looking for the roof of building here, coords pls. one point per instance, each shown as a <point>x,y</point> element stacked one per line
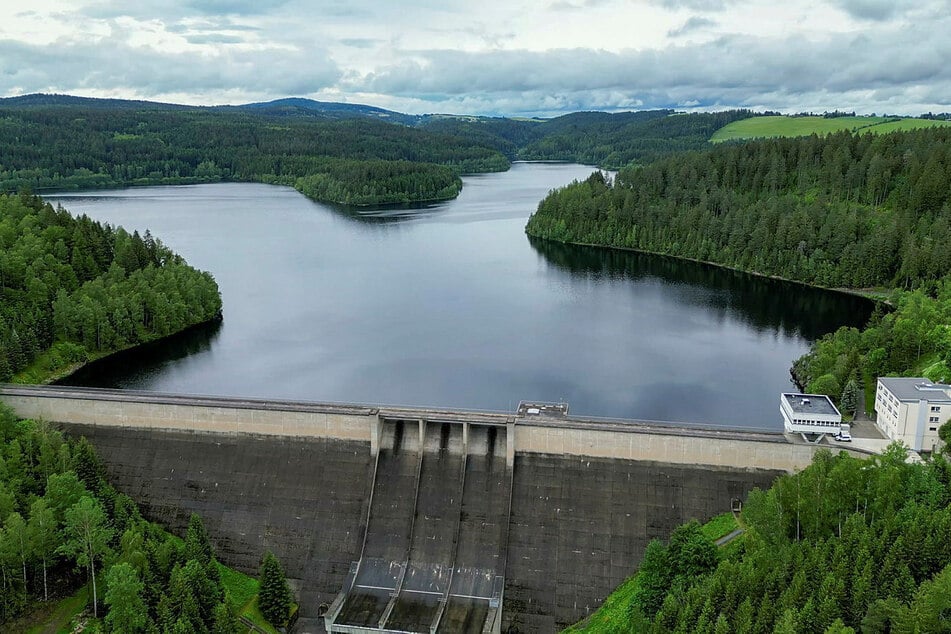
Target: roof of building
<point>916,389</point>
<point>810,403</point>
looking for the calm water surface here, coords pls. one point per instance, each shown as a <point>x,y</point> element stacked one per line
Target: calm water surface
<point>454,306</point>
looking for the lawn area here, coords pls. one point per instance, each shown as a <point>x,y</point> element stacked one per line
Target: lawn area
<point>240,587</point>
<point>242,591</point>
<point>907,124</point>
<point>56,616</point>
<point>758,127</point>
<point>611,618</point>
<point>781,126</point>
<point>719,526</point>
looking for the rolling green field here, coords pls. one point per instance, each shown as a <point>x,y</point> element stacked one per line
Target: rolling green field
<point>776,126</point>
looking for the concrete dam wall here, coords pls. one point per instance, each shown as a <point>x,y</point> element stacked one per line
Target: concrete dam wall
<point>417,519</point>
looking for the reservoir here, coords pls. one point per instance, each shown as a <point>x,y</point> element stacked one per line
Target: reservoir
<point>452,305</point>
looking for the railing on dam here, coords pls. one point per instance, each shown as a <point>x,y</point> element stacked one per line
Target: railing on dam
<point>568,435</point>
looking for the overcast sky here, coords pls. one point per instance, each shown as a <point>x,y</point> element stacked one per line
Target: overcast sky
<point>507,57</point>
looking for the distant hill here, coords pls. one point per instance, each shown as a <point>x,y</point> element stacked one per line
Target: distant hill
<point>786,126</point>
<point>298,106</point>
<point>617,140</point>
<point>48,100</point>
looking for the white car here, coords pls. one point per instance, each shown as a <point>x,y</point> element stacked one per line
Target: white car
<point>843,437</point>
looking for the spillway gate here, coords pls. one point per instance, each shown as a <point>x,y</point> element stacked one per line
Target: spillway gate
<point>435,534</point>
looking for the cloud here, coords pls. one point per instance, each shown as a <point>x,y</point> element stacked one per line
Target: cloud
<point>446,55</point>
<point>694,5</point>
<point>575,5</point>
<point>360,42</point>
<point>213,38</point>
<point>114,65</point>
<point>209,24</point>
<point>695,23</point>
<point>731,70</point>
<point>235,7</point>
<point>876,10</point>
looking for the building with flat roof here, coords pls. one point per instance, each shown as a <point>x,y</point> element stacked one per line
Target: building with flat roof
<point>809,414</point>
<point>911,409</point>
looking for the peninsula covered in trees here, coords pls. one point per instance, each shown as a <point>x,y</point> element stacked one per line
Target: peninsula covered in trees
<point>73,289</point>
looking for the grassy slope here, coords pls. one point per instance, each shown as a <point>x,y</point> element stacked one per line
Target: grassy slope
<point>611,617</point>
<point>758,127</point>
<point>56,616</point>
<point>907,124</point>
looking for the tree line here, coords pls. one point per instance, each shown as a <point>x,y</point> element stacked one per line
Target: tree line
<point>73,288</point>
<point>844,210</point>
<point>846,545</point>
<point>52,143</point>
<point>608,140</point>
<point>360,183</point>
<point>59,516</point>
<point>616,141</point>
<point>80,147</point>
<point>912,339</point>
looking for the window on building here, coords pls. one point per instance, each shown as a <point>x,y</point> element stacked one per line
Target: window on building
<point>932,429</point>
<point>932,419</point>
<point>935,408</point>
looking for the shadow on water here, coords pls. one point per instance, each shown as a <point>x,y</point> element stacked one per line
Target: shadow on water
<point>760,302</point>
<point>385,214</point>
<point>132,366</point>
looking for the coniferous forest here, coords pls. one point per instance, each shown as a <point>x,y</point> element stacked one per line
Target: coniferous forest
<point>846,545</point>
<point>845,210</point>
<point>73,289</point>
<point>842,210</point>
<point>83,147</point>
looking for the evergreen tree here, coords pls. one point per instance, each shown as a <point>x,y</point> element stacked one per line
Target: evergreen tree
<point>850,396</point>
<point>274,596</point>
<point>197,543</point>
<point>225,620</point>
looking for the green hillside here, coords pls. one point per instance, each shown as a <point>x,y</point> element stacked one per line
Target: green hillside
<point>782,126</point>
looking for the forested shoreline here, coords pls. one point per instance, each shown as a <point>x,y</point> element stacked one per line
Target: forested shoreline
<point>45,148</point>
<point>74,289</point>
<point>59,143</point>
<point>844,210</point>
<point>841,211</point>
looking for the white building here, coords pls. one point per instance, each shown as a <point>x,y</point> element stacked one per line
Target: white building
<point>809,414</point>
<point>911,410</point>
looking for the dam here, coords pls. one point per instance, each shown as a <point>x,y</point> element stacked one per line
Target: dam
<point>417,520</point>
